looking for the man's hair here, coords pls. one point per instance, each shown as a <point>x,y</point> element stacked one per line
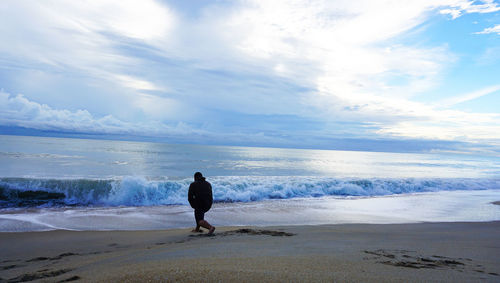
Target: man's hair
<point>198,176</point>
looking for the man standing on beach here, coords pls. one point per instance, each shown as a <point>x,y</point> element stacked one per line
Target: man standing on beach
<point>200,198</point>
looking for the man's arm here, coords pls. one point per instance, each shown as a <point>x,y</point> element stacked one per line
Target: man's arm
<point>210,197</point>
<point>210,192</point>
<point>191,196</point>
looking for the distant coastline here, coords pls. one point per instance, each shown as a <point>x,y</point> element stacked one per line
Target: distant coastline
<point>347,144</point>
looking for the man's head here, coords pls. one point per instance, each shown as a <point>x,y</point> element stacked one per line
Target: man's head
<point>198,176</point>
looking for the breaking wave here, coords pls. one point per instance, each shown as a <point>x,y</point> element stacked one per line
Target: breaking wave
<point>139,191</point>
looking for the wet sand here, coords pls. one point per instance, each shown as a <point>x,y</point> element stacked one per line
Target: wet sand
<point>451,252</point>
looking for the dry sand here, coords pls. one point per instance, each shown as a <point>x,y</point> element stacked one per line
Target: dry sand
<point>450,252</point>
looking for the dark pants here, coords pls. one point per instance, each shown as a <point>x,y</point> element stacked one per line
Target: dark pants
<point>199,215</point>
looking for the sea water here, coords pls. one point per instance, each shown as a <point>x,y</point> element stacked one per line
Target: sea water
<point>82,184</point>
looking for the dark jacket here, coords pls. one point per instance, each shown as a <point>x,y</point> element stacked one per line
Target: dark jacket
<point>200,195</point>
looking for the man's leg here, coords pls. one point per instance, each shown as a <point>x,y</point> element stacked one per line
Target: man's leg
<point>198,217</point>
<point>206,225</point>
<point>197,229</point>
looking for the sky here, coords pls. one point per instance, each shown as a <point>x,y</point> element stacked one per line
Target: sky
<point>375,74</point>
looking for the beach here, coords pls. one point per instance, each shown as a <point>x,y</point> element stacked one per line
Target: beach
<point>451,252</point>
<point>111,211</point>
<point>323,141</point>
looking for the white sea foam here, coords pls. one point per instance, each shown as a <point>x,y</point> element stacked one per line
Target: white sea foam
<point>443,206</point>
<point>139,191</point>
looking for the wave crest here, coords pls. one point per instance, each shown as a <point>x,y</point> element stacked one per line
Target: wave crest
<point>139,191</point>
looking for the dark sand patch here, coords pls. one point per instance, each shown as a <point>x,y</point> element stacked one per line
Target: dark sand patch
<point>246,231</point>
<point>38,275</point>
<point>260,232</point>
<point>73,278</point>
<point>9,266</point>
<point>9,260</point>
<point>118,246</point>
<point>412,259</point>
<point>243,231</point>
<point>42,258</point>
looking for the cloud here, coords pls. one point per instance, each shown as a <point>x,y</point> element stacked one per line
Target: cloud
<point>243,69</point>
<point>17,110</point>
<point>147,20</point>
<point>337,49</point>
<point>80,37</point>
<point>459,129</point>
<point>135,83</point>
<point>20,111</point>
<point>354,61</point>
<point>495,29</point>
<point>469,96</point>
<point>458,8</point>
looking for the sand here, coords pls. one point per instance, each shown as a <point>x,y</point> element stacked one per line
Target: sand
<point>450,252</point>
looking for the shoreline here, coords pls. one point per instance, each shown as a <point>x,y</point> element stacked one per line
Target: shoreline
<point>403,208</point>
<point>446,251</point>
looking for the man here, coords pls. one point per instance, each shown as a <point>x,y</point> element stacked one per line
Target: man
<point>200,198</point>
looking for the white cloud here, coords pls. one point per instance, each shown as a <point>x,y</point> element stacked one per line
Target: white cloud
<point>469,96</point>
<point>17,110</point>
<point>460,7</point>
<point>495,29</point>
<point>471,130</point>
<point>135,83</point>
<point>353,63</point>
<point>345,58</point>
<point>145,20</point>
<point>160,108</point>
<point>338,49</point>
<point>20,111</point>
<point>81,36</point>
<point>454,13</point>
<point>341,43</point>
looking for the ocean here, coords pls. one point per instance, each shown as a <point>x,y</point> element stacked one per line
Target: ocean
<point>81,184</point>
